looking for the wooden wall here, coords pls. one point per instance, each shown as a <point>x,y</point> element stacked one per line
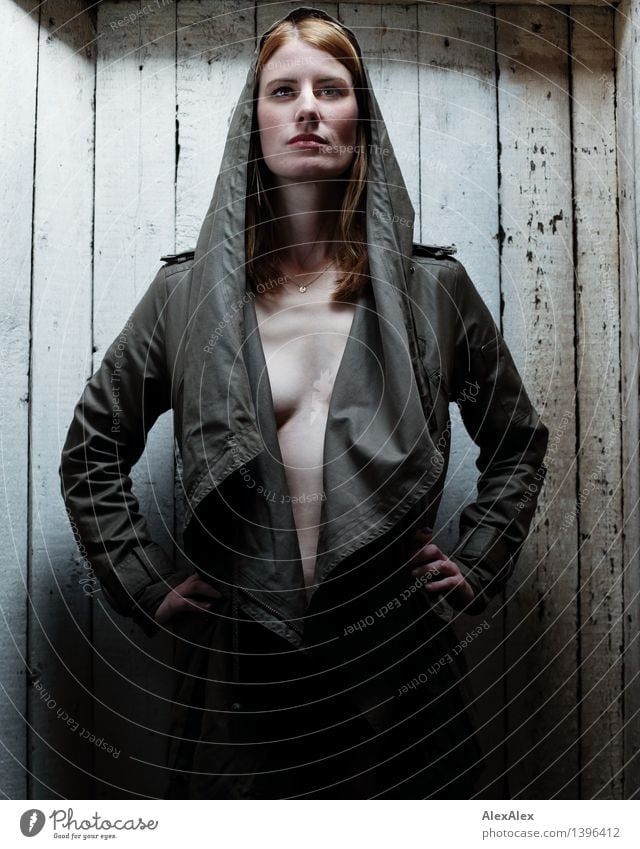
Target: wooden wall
<point>514,129</point>
<point>627,96</point>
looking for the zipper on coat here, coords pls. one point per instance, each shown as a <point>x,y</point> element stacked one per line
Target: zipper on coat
<point>272,610</point>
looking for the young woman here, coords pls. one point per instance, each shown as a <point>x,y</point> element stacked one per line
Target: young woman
<point>310,350</point>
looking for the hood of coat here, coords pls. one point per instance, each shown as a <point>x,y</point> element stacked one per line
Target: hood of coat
<point>379,456</point>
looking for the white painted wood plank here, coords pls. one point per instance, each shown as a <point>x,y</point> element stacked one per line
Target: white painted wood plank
<point>458,182</point>
<point>19,44</point>
<point>598,381</point>
<point>134,226</point>
<point>459,200</point>
<point>215,44</point>
<point>632,429</point>
<point>59,617</point>
<point>537,275</point>
<point>628,150</point>
<point>389,41</point>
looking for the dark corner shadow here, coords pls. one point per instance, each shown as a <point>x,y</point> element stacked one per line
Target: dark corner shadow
<point>72,23</point>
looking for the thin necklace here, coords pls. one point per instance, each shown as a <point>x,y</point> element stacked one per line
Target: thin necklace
<point>304,287</point>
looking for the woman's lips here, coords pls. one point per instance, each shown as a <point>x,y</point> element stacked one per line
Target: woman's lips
<point>307,143</point>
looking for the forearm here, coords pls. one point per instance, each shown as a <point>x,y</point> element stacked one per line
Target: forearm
<point>512,438</point>
<point>105,439</point>
<point>494,528</point>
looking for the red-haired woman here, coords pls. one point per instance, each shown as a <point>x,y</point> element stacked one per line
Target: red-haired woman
<point>310,350</point>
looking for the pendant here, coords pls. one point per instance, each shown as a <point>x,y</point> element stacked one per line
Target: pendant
<point>303,289</point>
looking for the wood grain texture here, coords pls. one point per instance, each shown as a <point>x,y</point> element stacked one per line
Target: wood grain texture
<point>134,226</point>
<point>18,26</point>
<point>600,576</point>
<point>59,646</point>
<point>539,314</point>
<point>628,149</point>
<point>215,43</point>
<point>389,40</point>
<point>459,200</point>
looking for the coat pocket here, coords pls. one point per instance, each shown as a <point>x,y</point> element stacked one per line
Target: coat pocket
<point>195,628</point>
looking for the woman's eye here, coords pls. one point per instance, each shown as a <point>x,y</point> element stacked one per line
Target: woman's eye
<point>333,90</point>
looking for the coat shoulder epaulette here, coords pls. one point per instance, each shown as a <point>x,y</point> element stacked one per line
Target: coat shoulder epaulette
<point>436,251</point>
<point>171,259</point>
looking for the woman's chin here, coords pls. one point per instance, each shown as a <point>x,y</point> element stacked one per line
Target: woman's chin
<point>310,171</point>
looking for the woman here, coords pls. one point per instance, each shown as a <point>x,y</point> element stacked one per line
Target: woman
<point>310,350</point>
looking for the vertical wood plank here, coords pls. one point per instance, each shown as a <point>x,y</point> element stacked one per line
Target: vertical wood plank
<point>627,102</point>
<point>537,275</point>
<point>215,44</point>
<point>459,199</point>
<point>60,653</point>
<point>134,226</point>
<point>19,44</point>
<point>600,600</point>
<point>632,429</point>
<point>389,41</point>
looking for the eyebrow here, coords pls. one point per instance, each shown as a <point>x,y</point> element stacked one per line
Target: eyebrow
<point>333,79</point>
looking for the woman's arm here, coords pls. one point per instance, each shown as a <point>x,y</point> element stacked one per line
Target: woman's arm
<point>512,438</point>
<point>107,435</point>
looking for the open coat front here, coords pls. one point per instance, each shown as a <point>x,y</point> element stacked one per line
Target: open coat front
<point>421,338</point>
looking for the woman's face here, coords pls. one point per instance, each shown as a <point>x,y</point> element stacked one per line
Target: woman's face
<point>306,91</point>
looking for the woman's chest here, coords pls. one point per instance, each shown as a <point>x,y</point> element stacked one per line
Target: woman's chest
<point>303,345</point>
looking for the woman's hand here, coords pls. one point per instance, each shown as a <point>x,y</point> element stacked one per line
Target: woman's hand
<point>186,598</point>
<point>442,573</point>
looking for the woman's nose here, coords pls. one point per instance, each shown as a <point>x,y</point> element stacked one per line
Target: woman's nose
<point>307,106</point>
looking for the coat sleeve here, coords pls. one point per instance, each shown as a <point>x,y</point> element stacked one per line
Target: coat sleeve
<point>501,420</point>
<point>107,436</point>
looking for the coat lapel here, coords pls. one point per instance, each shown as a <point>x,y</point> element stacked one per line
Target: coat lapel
<point>378,456</point>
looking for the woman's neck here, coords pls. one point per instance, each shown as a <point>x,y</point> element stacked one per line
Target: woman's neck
<point>307,213</point>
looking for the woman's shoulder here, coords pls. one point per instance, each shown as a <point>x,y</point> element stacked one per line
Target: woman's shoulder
<point>177,262</point>
<point>434,266</point>
<point>174,274</point>
<point>434,251</point>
